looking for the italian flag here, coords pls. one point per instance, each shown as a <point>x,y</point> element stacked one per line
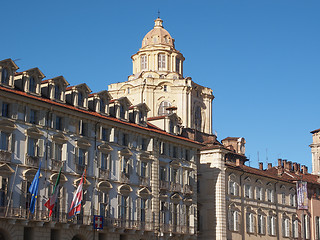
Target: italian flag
<point>52,200</point>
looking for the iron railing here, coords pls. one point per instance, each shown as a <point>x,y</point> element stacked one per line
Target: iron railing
<point>5,156</point>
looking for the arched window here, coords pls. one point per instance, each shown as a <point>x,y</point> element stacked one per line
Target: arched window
<point>32,85</point>
<point>163,108</point>
<point>198,118</point>
<point>177,65</point>
<point>5,76</point>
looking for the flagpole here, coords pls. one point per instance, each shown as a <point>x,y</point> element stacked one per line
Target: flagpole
<point>14,179</point>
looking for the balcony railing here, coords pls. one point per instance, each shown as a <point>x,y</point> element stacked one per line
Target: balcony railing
<point>32,161</point>
<point>144,181</point>
<point>5,156</point>
<point>175,187</point>
<point>104,173</point>
<point>83,219</point>
<point>164,184</point>
<point>56,164</point>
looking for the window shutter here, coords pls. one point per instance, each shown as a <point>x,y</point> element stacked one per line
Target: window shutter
<point>23,194</point>
<point>40,152</point>
<point>247,222</point>
<point>138,207</point>
<point>99,162</point>
<point>13,141</point>
<point>27,116</point>
<point>86,159</point>
<point>119,206</point>
<point>230,220</point>
<point>76,155</point>
<point>139,167</point>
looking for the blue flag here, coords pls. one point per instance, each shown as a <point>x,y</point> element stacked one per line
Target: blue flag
<point>33,189</point>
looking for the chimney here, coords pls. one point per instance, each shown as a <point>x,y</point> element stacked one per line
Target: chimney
<point>304,169</point>
<point>279,162</point>
<point>295,167</point>
<point>284,161</point>
<point>290,166</point>
<point>298,169</point>
<point>269,165</point>
<point>238,162</point>
<point>261,165</point>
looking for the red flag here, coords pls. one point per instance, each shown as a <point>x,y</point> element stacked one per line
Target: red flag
<point>77,198</point>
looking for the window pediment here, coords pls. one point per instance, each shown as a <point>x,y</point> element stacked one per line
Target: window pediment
<point>63,178</point>
<point>146,157</point>
<point>7,125</point>
<point>86,183</point>
<point>188,201</point>
<point>59,138</point>
<point>83,143</point>
<point>175,164</point>
<point>105,148</point>
<point>34,132</point>
<point>125,190</point>
<point>176,198</point>
<point>144,193</point>
<point>259,182</point>
<point>247,179</point>
<point>125,152</point>
<point>163,196</point>
<point>5,170</point>
<point>30,173</point>
<point>104,186</point>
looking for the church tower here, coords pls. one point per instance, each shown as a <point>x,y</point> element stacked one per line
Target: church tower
<point>158,81</point>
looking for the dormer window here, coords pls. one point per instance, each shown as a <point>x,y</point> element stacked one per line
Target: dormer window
<point>141,116</point>
<point>57,92</point>
<point>80,99</point>
<point>162,62</point>
<point>5,76</point>
<point>102,106</point>
<point>143,62</point>
<point>32,84</point>
<point>122,111</point>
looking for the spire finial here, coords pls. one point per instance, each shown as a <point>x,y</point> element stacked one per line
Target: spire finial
<point>158,13</point>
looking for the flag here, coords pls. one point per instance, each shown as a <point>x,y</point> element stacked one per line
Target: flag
<point>77,198</point>
<point>33,189</point>
<point>52,200</point>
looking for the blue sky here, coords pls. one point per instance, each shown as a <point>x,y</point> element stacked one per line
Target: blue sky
<point>261,58</point>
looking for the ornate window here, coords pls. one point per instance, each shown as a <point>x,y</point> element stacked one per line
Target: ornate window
<point>261,223</point>
<point>250,222</point>
<point>177,65</point>
<point>80,99</point>
<point>143,62</point>
<point>295,227</point>
<point>306,226</point>
<point>285,226</point>
<point>271,224</point>
<point>234,219</point>
<point>161,61</point>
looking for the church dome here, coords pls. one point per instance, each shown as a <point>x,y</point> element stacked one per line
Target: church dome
<point>158,35</point>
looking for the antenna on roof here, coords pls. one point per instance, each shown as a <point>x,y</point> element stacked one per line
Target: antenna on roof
<point>18,59</point>
<point>267,160</point>
<point>258,157</point>
<point>249,161</point>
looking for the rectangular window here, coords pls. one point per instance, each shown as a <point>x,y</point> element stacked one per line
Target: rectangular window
<point>4,144</point>
<point>292,200</point>
<point>283,198</point>
<point>143,62</point>
<point>270,195</point>
<point>125,165</point>
<point>58,123</point>
<point>259,193</point>
<point>162,61</point>
<point>125,139</point>
<point>82,157</point>
<point>144,144</point>
<point>5,109</point>
<point>143,170</point>
<point>33,116</point>
<point>83,128</point>
<point>58,152</point>
<point>231,187</point>
<point>177,65</point>
<point>123,207</point>
<point>32,147</point>
<point>104,161</point>
<point>163,173</point>
<point>143,210</point>
<point>3,191</point>
<point>175,152</point>
<point>104,134</point>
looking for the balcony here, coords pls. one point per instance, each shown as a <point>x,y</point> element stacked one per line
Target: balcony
<point>104,173</point>
<point>145,181</point>
<point>164,185</point>
<point>56,164</point>
<point>32,161</point>
<point>5,156</point>
<point>80,168</point>
<point>175,187</point>
<point>187,189</point>
<point>124,177</point>
<point>177,229</point>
